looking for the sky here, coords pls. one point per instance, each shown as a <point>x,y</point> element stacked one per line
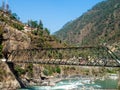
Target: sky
<point>53,13</point>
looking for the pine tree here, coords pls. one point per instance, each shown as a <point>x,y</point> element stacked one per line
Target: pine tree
<point>7,6</point>
<point>40,25</point>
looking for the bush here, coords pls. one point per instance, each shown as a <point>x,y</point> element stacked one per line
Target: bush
<point>35,32</point>
<point>46,72</point>
<point>19,70</point>
<point>30,70</point>
<point>58,70</point>
<point>111,71</point>
<point>18,26</point>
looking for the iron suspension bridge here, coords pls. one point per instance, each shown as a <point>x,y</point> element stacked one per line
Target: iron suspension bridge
<point>79,56</point>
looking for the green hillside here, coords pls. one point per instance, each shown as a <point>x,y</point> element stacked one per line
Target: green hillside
<point>100,25</point>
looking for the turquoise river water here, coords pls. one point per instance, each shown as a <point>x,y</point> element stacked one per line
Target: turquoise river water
<point>77,83</point>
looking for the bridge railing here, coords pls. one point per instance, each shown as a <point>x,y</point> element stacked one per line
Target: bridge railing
<point>84,56</point>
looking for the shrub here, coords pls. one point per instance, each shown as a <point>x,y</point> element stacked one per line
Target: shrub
<point>58,70</point>
<point>30,70</point>
<point>18,26</point>
<point>111,71</point>
<point>49,70</point>
<point>46,72</point>
<point>19,70</point>
<point>35,32</point>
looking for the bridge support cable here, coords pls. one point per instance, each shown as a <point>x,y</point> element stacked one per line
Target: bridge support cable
<point>115,57</point>
<point>110,60</point>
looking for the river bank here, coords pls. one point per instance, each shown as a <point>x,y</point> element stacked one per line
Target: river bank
<point>78,83</point>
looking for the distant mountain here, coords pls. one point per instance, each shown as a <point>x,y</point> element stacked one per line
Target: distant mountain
<point>100,25</point>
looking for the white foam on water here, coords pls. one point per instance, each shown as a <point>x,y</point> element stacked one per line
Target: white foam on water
<point>65,87</point>
<point>61,82</point>
<point>86,81</point>
<point>98,86</point>
<point>42,88</point>
<point>79,83</point>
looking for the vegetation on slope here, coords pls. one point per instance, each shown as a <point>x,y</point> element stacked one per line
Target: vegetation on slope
<point>11,20</point>
<point>40,38</point>
<point>99,25</point>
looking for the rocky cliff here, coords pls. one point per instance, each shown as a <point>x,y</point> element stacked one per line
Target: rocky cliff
<point>12,39</point>
<point>7,78</point>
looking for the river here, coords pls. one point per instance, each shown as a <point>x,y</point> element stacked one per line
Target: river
<point>78,83</point>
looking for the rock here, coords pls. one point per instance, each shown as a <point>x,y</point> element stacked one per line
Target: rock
<point>45,83</point>
<point>14,39</point>
<point>32,83</point>
<point>52,84</point>
<point>1,85</point>
<point>8,80</point>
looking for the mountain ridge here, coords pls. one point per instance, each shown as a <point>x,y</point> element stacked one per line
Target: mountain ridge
<point>99,25</point>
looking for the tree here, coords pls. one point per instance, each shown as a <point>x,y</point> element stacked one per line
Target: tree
<point>32,24</point>
<point>15,16</point>
<point>7,7</point>
<point>40,26</point>
<point>47,31</point>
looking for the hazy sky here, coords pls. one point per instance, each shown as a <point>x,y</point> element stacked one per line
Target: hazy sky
<point>53,13</point>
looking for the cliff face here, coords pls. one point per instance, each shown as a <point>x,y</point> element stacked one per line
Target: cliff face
<point>14,39</point>
<point>7,79</point>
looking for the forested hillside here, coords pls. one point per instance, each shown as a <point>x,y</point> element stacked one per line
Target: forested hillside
<point>100,25</point>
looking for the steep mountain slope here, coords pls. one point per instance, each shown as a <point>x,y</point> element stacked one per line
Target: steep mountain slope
<point>13,36</point>
<point>100,25</point>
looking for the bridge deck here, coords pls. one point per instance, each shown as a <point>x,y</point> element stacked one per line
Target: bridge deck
<point>79,56</point>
